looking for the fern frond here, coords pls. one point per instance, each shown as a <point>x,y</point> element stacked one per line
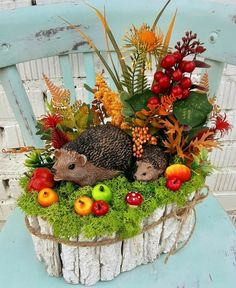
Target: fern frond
<point>204,82</point>
<point>60,96</point>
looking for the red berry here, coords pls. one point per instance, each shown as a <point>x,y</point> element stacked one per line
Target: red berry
<point>169,72</point>
<point>153,101</point>
<point>177,56</point>
<point>186,83</point>
<point>177,75</point>
<point>158,75</point>
<point>164,82</point>
<point>176,91</point>
<point>173,184</point>
<point>168,62</point>
<point>181,65</point>
<point>185,93</point>
<point>189,66</point>
<point>156,88</point>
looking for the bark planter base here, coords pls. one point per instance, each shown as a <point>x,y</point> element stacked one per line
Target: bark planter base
<point>88,261</point>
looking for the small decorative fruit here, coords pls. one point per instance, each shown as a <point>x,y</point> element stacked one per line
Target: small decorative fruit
<point>156,88</point>
<point>185,93</point>
<point>177,56</point>
<point>168,61</point>
<point>153,101</point>
<point>83,205</point>
<point>177,75</point>
<point>189,66</point>
<point>164,82</point>
<point>101,192</point>
<point>176,91</point>
<point>181,65</point>
<point>158,75</point>
<point>41,178</point>
<point>134,199</point>
<point>100,208</point>
<point>47,197</point>
<point>180,171</point>
<point>173,184</point>
<point>186,83</point>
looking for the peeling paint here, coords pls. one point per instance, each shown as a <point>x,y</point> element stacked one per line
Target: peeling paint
<point>51,32</point>
<point>78,44</point>
<point>233,18</point>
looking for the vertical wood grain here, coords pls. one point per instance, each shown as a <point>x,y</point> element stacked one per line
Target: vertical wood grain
<point>66,71</point>
<point>20,105</point>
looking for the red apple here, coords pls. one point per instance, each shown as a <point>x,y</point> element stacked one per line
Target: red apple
<point>100,208</point>
<point>173,184</point>
<point>41,178</point>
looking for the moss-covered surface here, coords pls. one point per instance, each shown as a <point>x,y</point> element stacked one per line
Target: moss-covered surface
<point>121,219</point>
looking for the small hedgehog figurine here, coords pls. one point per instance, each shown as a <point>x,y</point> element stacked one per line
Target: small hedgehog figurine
<point>152,164</point>
<point>98,154</point>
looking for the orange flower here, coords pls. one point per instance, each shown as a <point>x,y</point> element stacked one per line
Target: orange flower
<point>144,39</point>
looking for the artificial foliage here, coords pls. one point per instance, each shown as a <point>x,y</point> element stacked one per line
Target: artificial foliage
<point>172,111</point>
<point>121,219</point>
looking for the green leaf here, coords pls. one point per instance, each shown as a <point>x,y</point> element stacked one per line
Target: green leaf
<point>139,101</point>
<point>81,117</point>
<point>194,110</point>
<point>127,110</point>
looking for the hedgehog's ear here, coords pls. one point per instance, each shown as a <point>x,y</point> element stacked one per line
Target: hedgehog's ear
<point>57,153</point>
<point>149,166</point>
<point>81,160</point>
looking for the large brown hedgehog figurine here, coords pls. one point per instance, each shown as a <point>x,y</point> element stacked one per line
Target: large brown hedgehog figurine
<point>98,154</point>
<point>152,164</point>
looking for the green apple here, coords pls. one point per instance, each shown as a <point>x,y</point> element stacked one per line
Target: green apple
<point>101,192</point>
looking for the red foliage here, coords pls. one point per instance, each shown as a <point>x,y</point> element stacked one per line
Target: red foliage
<point>221,124</point>
<point>51,121</point>
<point>59,138</point>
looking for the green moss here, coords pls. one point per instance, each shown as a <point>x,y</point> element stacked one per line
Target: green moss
<point>121,219</point>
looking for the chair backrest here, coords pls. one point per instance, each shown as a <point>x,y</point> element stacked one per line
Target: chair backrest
<point>39,31</point>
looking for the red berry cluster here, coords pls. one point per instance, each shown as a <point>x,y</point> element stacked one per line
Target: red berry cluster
<point>174,78</point>
<point>189,45</point>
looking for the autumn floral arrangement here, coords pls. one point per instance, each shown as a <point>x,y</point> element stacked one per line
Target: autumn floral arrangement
<point>169,120</point>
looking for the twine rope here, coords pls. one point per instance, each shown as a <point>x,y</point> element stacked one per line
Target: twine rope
<point>180,214</point>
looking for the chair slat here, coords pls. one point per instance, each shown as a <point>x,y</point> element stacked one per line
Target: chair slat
<point>18,99</point>
<point>89,72</point>
<point>66,71</point>
<point>215,73</point>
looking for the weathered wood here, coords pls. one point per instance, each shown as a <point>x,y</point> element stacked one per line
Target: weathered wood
<point>50,250</point>
<point>18,99</point>
<point>88,265</point>
<point>49,35</point>
<point>70,263</point>
<point>110,260</point>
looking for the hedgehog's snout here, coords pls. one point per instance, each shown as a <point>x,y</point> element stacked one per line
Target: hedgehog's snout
<point>53,170</point>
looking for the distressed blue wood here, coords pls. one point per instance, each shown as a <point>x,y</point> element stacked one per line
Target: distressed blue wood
<point>20,40</point>
<point>214,73</point>
<point>66,71</point>
<point>208,261</point>
<point>17,97</point>
<point>89,72</point>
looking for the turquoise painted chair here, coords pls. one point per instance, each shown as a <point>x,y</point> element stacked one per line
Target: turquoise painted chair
<point>208,261</point>
<point>38,31</point>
